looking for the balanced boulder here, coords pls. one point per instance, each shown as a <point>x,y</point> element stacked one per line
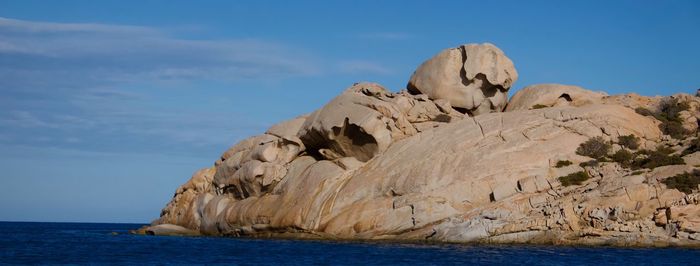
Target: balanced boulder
<point>473,77</point>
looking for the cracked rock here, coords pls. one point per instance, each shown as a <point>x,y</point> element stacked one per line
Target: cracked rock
<point>473,77</point>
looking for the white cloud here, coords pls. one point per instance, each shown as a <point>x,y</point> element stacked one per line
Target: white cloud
<point>115,88</point>
<point>101,51</point>
<point>363,67</point>
<point>51,27</point>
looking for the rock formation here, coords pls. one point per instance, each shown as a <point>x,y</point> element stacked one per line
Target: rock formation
<point>473,77</point>
<point>552,95</point>
<point>440,162</point>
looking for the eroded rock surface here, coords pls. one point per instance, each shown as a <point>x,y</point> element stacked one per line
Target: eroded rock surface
<point>551,95</point>
<point>474,77</point>
<point>373,164</point>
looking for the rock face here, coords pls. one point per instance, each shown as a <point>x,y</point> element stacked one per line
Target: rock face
<point>474,77</point>
<point>373,164</point>
<point>551,95</point>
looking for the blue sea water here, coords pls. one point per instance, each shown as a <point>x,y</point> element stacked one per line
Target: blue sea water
<point>101,243</point>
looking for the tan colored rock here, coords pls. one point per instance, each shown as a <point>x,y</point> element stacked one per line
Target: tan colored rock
<point>466,166</point>
<point>169,230</point>
<point>355,124</point>
<point>687,217</point>
<point>287,129</point>
<point>182,209</point>
<point>692,159</point>
<point>373,164</point>
<point>663,172</point>
<point>533,184</point>
<point>475,77</point>
<point>552,95</point>
<point>633,101</point>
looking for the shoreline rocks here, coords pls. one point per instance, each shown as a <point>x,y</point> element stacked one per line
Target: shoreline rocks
<point>432,164</point>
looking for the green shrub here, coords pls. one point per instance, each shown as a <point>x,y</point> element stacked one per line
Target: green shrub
<point>574,179</point>
<point>685,182</point>
<point>643,111</point>
<point>669,115</point>
<point>674,129</point>
<point>670,109</point>
<point>596,148</point>
<point>623,157</point>
<point>538,106</point>
<point>664,150</point>
<point>561,164</point>
<point>652,159</point>
<point>591,163</point>
<point>629,141</point>
<point>693,148</point>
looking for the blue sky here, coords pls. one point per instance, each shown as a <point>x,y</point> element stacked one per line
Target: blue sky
<point>106,107</point>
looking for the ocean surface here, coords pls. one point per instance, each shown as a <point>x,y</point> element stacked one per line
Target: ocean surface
<point>101,243</point>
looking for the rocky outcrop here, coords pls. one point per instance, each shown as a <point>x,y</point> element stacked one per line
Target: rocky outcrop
<point>372,164</point>
<point>552,95</point>
<point>473,77</point>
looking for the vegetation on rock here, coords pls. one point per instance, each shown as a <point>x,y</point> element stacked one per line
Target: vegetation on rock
<point>685,182</point>
<point>539,106</point>
<point>561,164</point>
<point>652,159</point>
<point>629,141</point>
<point>599,149</point>
<point>574,179</point>
<point>623,157</point>
<point>669,115</point>
<point>591,163</point>
<point>596,148</point>
<point>693,148</point>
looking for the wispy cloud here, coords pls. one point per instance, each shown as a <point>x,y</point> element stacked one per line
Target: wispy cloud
<point>88,86</point>
<point>117,52</point>
<point>363,67</point>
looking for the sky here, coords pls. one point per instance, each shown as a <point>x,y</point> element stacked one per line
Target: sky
<point>106,107</point>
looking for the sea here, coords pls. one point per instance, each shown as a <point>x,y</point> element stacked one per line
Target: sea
<point>105,243</point>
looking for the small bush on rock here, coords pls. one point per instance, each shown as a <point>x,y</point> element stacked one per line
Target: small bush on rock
<point>693,148</point>
<point>664,150</point>
<point>623,157</point>
<point>652,159</point>
<point>596,148</point>
<point>670,109</point>
<point>669,115</point>
<point>643,111</point>
<point>685,182</point>
<point>591,163</point>
<point>561,164</point>
<point>539,106</point>
<point>574,179</point>
<point>674,129</point>
<point>629,141</point>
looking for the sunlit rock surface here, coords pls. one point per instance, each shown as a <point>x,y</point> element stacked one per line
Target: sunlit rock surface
<point>372,164</point>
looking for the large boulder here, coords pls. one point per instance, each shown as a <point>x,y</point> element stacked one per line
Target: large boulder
<point>550,95</point>
<point>473,77</point>
<point>366,118</point>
